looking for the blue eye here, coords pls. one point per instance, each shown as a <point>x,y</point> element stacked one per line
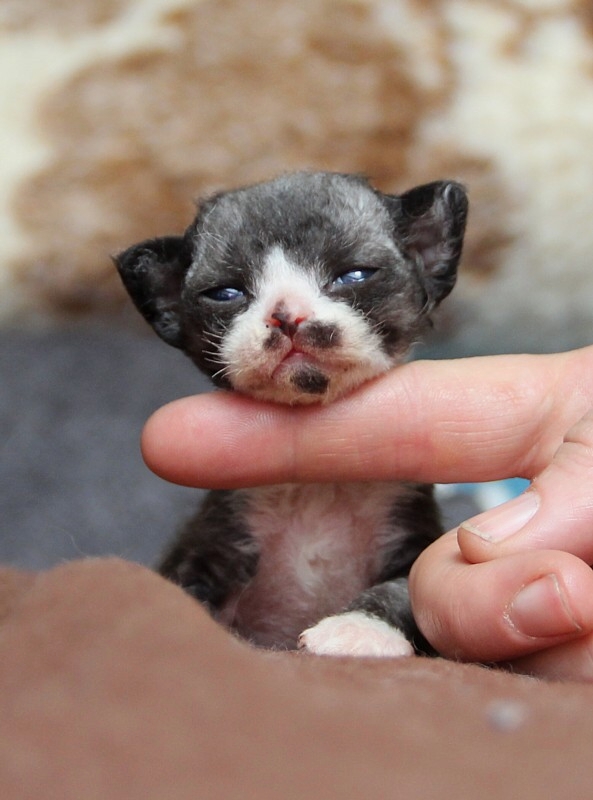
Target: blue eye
<point>224,294</point>
<point>353,276</point>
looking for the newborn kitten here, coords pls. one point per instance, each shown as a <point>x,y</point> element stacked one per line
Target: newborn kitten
<point>297,291</point>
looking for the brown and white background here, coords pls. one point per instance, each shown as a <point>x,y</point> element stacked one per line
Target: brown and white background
<point>115,115</point>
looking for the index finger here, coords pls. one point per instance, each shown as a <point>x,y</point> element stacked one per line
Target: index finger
<point>473,419</point>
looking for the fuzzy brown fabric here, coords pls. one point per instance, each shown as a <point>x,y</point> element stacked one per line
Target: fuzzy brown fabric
<point>115,684</point>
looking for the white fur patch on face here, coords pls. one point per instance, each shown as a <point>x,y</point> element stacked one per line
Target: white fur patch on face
<point>265,362</point>
<point>281,281</point>
<point>355,634</point>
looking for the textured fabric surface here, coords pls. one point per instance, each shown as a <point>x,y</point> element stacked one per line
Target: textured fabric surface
<point>115,684</point>
<point>73,400</point>
<point>127,110</point>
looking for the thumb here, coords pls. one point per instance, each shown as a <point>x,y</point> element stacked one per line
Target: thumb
<point>554,513</point>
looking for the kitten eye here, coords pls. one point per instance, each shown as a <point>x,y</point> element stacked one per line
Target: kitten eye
<point>224,294</point>
<point>353,276</point>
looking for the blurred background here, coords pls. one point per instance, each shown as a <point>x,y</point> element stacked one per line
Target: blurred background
<point>118,114</point>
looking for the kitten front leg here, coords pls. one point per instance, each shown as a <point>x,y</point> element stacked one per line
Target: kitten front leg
<point>215,554</point>
<point>378,623</point>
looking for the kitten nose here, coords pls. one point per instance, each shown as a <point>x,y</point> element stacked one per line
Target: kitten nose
<point>287,325</point>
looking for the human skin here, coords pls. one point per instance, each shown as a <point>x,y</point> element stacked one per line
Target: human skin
<point>525,599</point>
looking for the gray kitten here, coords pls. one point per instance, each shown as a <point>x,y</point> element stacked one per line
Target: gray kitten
<point>297,291</point>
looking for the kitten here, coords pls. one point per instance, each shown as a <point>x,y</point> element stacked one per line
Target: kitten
<point>297,291</point>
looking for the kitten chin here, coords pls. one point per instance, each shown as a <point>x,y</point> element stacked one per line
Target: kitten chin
<point>300,378</point>
<point>305,385</point>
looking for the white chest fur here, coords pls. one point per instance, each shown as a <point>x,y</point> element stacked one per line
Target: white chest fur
<point>321,545</point>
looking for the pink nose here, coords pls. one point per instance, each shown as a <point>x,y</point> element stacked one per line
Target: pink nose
<point>287,325</point>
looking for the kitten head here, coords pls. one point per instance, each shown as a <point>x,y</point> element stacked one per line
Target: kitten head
<point>299,289</point>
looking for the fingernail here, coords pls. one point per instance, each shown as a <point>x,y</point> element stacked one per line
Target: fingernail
<point>503,521</point>
<point>540,610</point>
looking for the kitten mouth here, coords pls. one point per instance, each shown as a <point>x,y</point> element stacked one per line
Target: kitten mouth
<point>296,357</point>
<point>295,365</point>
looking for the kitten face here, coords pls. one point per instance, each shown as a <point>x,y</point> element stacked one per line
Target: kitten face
<point>299,339</point>
<point>300,289</point>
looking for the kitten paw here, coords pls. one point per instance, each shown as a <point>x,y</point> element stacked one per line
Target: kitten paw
<point>355,634</point>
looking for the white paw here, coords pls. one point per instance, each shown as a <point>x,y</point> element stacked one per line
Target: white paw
<point>355,634</point>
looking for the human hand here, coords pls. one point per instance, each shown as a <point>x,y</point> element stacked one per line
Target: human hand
<point>472,419</point>
<point>525,571</point>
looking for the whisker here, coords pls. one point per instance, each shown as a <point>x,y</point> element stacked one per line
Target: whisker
<point>214,335</point>
<point>213,356</point>
<point>220,373</point>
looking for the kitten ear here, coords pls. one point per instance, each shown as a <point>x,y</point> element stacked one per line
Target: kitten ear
<point>153,272</point>
<point>430,220</point>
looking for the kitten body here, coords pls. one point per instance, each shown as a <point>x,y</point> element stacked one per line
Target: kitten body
<point>297,291</point>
